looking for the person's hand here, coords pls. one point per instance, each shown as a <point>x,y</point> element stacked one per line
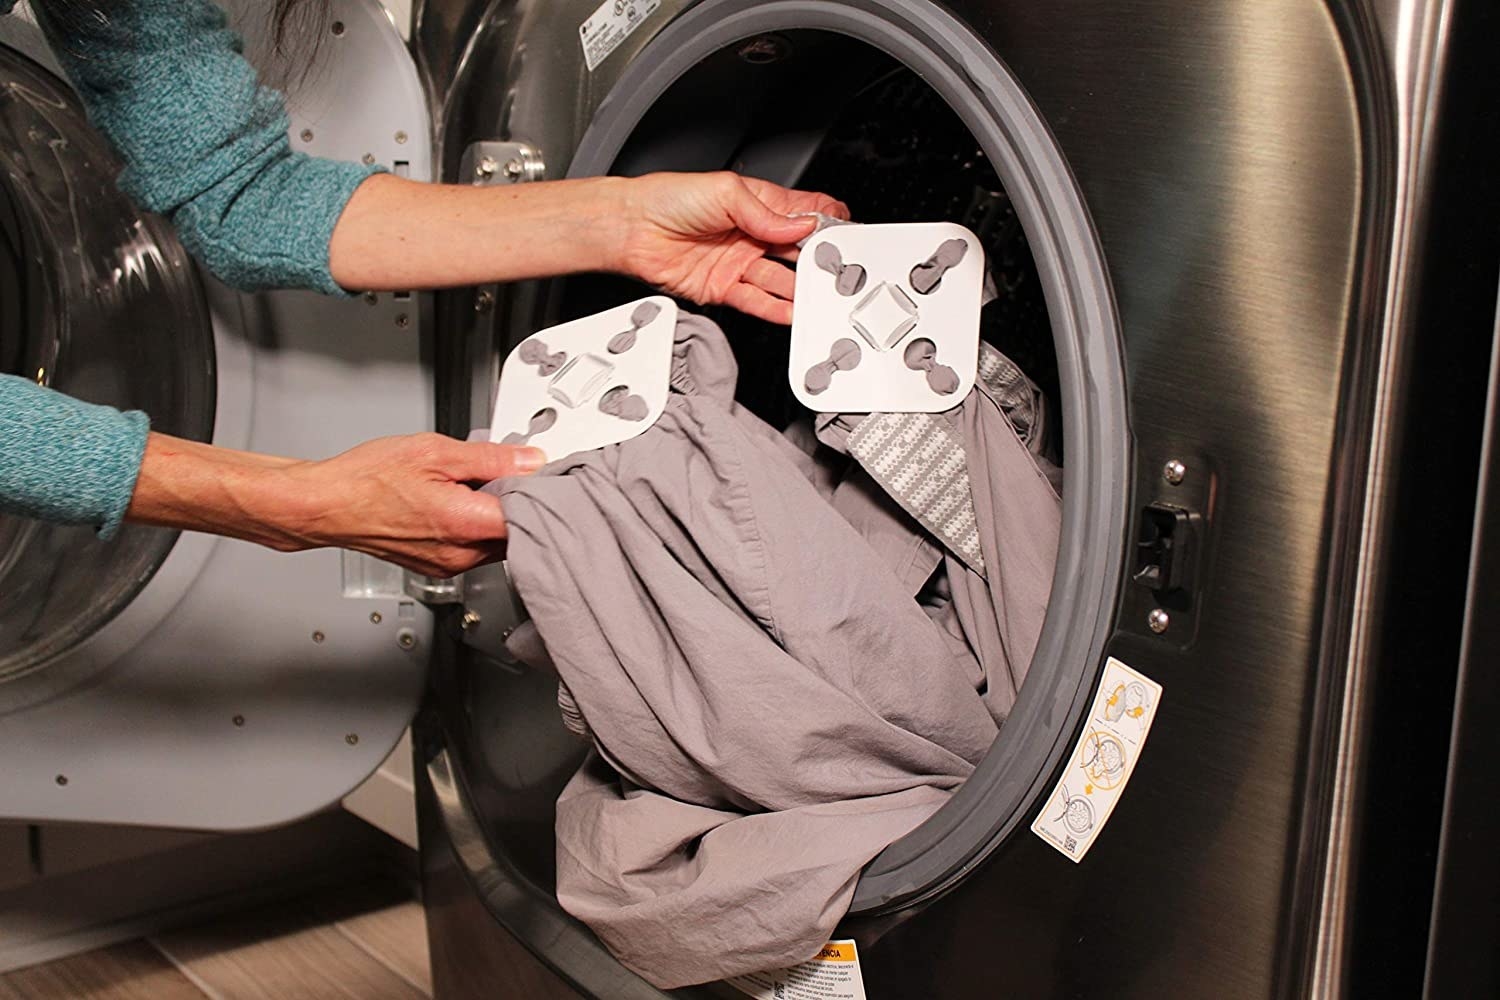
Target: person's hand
<point>404,499</point>
<point>714,238</point>
<point>409,500</point>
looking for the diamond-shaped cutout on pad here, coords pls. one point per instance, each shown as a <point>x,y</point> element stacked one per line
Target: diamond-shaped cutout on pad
<point>884,316</point>
<point>580,380</point>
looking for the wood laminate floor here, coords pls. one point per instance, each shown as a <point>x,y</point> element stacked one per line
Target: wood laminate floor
<point>366,942</point>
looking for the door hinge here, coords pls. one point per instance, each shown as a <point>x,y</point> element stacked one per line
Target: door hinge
<point>492,161</point>
<point>492,611</point>
<point>434,590</point>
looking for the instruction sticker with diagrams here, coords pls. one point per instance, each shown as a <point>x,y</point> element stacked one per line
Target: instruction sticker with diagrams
<point>833,974</point>
<point>1114,733</point>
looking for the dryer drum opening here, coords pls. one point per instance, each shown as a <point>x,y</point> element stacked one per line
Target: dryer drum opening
<point>851,76</point>
<point>991,104</point>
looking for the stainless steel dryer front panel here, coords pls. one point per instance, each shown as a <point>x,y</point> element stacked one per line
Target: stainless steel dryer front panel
<point>1263,179</point>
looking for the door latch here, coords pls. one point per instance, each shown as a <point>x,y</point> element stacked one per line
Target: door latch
<point>1166,553</point>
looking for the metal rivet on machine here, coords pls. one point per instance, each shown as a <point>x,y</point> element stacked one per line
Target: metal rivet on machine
<point>402,321</point>
<point>352,739</point>
<point>368,159</point>
<point>1174,472</point>
<point>371,298</point>
<point>318,637</point>
<point>307,135</point>
<point>1158,620</point>
<point>375,618</point>
<point>469,621</point>
<point>406,638</point>
<point>400,137</point>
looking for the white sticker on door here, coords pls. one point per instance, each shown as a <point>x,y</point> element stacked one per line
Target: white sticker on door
<point>610,25</point>
<point>832,975</point>
<point>1113,735</point>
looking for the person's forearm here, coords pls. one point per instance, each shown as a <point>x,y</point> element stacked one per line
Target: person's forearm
<point>197,487</point>
<point>405,499</point>
<point>397,234</point>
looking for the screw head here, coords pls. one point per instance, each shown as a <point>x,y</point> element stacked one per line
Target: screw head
<point>486,167</point>
<point>406,639</point>
<point>318,637</point>
<point>376,618</point>
<point>238,720</point>
<point>1174,472</point>
<point>1158,620</point>
<point>402,321</point>
<point>352,739</point>
<point>368,159</point>
<point>337,27</point>
<point>62,779</point>
<point>400,137</point>
<point>469,621</point>
<point>371,298</point>
<point>484,302</point>
<point>514,168</point>
<point>307,135</point>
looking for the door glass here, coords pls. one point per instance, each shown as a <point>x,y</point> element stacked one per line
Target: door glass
<point>99,301</point>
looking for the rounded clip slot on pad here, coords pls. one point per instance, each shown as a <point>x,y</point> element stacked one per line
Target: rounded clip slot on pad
<point>534,352</point>
<point>621,402</point>
<point>922,280</point>
<point>542,420</point>
<point>921,355</point>
<point>643,315</point>
<point>848,279</point>
<point>605,379</point>
<point>926,276</point>
<point>842,357</point>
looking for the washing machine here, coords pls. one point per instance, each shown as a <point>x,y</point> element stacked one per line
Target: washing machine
<point>1249,251</point>
<point>177,679</point>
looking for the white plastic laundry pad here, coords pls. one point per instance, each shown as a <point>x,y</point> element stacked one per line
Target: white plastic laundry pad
<point>595,381</point>
<point>887,318</point>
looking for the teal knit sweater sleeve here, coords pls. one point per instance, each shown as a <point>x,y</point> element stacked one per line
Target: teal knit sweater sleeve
<point>203,142</point>
<point>64,460</point>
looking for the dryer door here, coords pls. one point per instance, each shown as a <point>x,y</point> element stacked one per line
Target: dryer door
<point>185,680</point>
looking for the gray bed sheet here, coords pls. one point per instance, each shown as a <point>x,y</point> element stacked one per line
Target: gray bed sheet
<point>781,671</point>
